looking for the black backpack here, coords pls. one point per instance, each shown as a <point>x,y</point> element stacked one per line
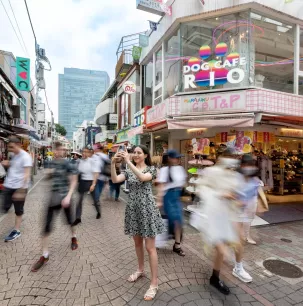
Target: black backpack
<point>106,168</point>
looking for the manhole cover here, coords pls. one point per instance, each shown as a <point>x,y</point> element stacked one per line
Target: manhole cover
<point>286,240</point>
<point>282,268</point>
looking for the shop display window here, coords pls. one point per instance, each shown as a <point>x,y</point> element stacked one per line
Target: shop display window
<point>173,62</point>
<point>158,77</point>
<point>274,54</point>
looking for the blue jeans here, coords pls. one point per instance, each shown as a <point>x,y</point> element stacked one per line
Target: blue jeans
<point>114,189</point>
<point>98,190</point>
<point>173,208</point>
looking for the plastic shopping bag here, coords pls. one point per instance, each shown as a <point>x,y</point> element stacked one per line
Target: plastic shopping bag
<point>162,239</point>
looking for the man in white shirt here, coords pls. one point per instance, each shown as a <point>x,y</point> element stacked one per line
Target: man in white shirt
<point>16,183</point>
<point>100,159</point>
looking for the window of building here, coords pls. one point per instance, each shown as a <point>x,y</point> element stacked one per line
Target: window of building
<point>216,53</point>
<point>173,62</point>
<point>301,49</point>
<point>148,83</point>
<point>158,78</point>
<point>301,86</point>
<point>124,114</point>
<point>274,54</point>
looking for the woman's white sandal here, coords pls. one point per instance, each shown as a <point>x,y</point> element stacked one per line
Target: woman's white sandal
<point>134,277</point>
<point>151,293</point>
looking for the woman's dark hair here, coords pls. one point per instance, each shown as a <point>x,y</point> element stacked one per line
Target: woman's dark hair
<point>146,151</point>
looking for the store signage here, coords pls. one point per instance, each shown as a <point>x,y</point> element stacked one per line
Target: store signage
<point>143,40</point>
<point>150,6</point>
<point>201,73</point>
<point>292,132</point>
<point>129,87</point>
<point>135,131</point>
<point>201,146</point>
<point>23,74</point>
<point>140,117</point>
<point>214,103</point>
<point>221,137</point>
<point>113,118</point>
<point>157,113</point>
<point>136,53</point>
<point>122,136</point>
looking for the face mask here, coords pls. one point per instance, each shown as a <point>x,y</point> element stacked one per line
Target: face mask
<point>249,171</point>
<point>229,163</point>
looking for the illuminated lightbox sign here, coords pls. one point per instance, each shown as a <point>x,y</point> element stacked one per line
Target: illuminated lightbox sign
<point>201,73</point>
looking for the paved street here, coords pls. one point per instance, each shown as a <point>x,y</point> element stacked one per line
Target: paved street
<point>96,273</point>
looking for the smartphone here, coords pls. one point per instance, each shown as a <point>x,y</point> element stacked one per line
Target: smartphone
<point>121,148</point>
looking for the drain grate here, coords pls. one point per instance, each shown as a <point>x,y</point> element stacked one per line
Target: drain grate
<point>286,240</point>
<point>282,268</point>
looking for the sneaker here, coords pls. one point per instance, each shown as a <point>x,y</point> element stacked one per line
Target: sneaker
<point>14,234</point>
<point>242,275</point>
<point>251,241</point>
<point>39,263</point>
<point>74,244</point>
<point>219,285</point>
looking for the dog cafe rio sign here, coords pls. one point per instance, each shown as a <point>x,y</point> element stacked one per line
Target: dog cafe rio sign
<point>202,73</point>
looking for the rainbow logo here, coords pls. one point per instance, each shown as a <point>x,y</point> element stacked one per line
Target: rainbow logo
<point>221,49</point>
<point>230,57</point>
<point>205,52</point>
<point>194,61</point>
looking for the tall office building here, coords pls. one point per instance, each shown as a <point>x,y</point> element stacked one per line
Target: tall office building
<point>80,92</point>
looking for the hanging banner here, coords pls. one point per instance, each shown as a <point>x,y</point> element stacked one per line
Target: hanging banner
<point>23,74</point>
<point>221,137</point>
<point>260,137</point>
<point>272,138</point>
<point>201,146</point>
<point>136,53</point>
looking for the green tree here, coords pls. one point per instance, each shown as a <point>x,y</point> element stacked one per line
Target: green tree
<point>60,129</point>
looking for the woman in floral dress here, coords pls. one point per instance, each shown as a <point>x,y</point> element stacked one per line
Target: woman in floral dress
<point>142,216</point>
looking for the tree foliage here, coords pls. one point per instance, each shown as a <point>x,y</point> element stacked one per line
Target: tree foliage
<point>60,129</point>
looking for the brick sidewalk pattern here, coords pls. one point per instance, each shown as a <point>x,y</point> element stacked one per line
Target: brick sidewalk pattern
<point>96,273</point>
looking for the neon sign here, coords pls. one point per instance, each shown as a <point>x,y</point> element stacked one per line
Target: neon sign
<point>214,72</point>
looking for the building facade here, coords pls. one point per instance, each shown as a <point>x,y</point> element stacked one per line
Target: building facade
<point>228,73</point>
<point>79,93</point>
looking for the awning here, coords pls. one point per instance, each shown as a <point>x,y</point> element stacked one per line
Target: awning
<point>135,131</point>
<point>211,122</point>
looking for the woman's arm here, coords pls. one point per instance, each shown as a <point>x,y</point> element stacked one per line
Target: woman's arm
<point>116,178</point>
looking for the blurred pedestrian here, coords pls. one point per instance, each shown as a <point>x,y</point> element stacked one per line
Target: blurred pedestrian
<point>250,189</point>
<point>219,191</point>
<point>171,180</point>
<point>88,175</point>
<point>76,158</point>
<point>142,217</point>
<point>16,183</point>
<point>114,188</point>
<point>64,181</point>
<point>102,161</point>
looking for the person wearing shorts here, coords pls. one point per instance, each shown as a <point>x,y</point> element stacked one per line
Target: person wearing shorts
<point>64,180</point>
<point>16,183</point>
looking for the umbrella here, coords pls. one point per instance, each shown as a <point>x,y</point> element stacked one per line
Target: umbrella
<point>26,127</point>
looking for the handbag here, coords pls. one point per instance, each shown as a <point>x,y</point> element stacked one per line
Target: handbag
<point>262,206</point>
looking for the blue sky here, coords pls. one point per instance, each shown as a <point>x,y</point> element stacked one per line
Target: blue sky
<point>75,33</point>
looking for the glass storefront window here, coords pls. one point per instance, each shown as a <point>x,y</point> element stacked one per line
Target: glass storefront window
<point>159,67</point>
<point>274,54</point>
<point>173,63</point>
<point>148,83</point>
<point>216,53</point>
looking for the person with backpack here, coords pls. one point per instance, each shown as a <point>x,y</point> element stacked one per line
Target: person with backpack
<point>104,164</point>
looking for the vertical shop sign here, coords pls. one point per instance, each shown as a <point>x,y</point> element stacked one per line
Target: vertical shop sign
<point>272,138</point>
<point>240,140</point>
<point>221,137</point>
<point>136,53</point>
<point>23,74</point>
<point>266,137</point>
<point>260,137</point>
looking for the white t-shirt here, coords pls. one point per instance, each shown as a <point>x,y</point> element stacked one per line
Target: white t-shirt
<point>87,167</point>
<point>15,174</point>
<point>178,176</point>
<point>98,159</point>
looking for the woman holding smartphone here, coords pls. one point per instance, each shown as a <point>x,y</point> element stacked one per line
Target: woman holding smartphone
<point>142,217</point>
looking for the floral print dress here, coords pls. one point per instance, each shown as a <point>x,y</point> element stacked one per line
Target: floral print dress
<point>142,216</point>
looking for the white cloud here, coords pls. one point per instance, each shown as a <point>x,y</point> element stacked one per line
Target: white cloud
<point>75,33</point>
